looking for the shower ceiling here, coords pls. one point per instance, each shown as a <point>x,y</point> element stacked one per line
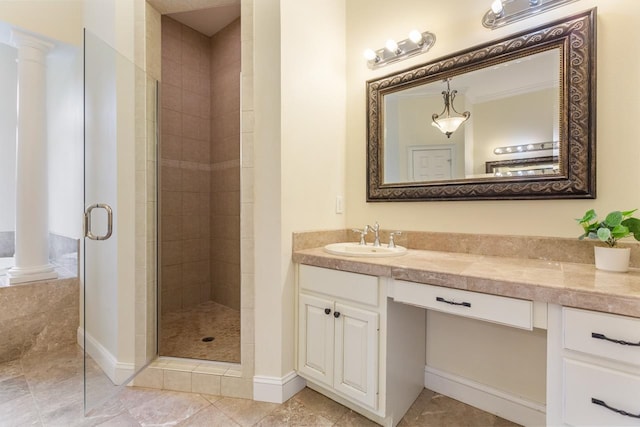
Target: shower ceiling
<point>205,16</point>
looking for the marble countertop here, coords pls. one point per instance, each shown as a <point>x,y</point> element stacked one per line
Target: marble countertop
<point>568,284</point>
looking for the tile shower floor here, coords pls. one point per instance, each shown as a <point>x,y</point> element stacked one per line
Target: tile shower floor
<point>47,390</point>
<point>182,333</point>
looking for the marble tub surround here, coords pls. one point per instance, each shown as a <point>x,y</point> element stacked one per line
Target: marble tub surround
<point>559,282</point>
<point>38,317</point>
<point>63,251</point>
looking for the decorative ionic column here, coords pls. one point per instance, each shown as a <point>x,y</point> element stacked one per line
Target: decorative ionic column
<point>32,213</point>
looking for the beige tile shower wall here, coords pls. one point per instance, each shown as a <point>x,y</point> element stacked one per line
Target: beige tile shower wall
<point>225,165</point>
<point>185,167</point>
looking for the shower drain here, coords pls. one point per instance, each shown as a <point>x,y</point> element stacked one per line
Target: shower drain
<point>208,339</point>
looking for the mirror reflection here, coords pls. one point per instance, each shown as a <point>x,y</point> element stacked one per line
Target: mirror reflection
<point>513,127</point>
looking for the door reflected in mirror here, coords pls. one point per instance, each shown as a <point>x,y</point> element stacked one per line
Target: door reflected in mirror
<point>514,106</point>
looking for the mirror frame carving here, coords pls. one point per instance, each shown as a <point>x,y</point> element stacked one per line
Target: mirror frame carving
<point>575,36</point>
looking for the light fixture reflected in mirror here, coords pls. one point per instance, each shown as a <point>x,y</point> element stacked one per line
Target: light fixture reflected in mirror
<point>503,12</point>
<point>523,148</point>
<point>395,51</point>
<point>444,121</point>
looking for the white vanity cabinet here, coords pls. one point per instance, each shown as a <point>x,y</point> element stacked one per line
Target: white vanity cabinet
<point>343,333</point>
<point>339,347</point>
<point>598,359</point>
<point>338,332</point>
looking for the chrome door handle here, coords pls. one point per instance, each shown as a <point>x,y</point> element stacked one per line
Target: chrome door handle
<point>87,221</point>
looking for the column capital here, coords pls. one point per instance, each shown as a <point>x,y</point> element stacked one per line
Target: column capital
<point>22,40</point>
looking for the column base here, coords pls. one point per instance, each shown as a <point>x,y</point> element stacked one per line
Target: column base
<point>17,275</point>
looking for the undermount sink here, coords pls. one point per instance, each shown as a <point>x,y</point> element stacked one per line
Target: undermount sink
<point>358,250</point>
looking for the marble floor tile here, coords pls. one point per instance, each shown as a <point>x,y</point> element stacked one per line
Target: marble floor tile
<point>212,398</point>
<point>13,388</point>
<point>291,414</point>
<point>320,404</point>
<point>182,331</point>
<point>48,392</point>
<point>435,410</point>
<point>245,412</point>
<point>21,411</point>
<point>57,396</point>
<point>353,419</point>
<point>169,408</point>
<point>209,417</point>
<point>122,420</point>
<point>128,398</point>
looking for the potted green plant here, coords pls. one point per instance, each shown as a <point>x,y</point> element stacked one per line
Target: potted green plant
<point>616,225</point>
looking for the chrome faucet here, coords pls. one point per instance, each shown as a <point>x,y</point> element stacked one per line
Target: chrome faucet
<point>362,233</point>
<point>376,230</point>
<point>392,243</point>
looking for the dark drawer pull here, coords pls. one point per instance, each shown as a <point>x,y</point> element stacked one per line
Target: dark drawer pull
<point>466,304</point>
<point>619,411</point>
<point>621,342</point>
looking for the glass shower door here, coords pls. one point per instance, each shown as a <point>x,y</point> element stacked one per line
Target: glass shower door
<point>118,319</point>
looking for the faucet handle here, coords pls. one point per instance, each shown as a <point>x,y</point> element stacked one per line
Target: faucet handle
<point>362,234</point>
<point>392,243</point>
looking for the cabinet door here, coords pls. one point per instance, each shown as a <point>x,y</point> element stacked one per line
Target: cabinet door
<point>315,340</point>
<point>356,354</point>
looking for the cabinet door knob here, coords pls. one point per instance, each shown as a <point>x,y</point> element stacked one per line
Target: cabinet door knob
<point>327,311</point>
<point>336,314</point>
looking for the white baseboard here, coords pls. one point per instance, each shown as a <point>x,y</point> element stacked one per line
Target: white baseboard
<point>277,390</point>
<point>488,399</point>
<point>118,372</point>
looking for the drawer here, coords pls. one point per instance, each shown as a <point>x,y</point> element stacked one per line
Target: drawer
<point>586,331</point>
<point>584,382</point>
<point>506,311</point>
<point>341,284</point>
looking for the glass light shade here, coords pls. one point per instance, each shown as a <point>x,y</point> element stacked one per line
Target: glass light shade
<point>449,124</point>
<point>496,7</point>
<point>416,37</point>
<point>369,55</point>
<point>391,45</point>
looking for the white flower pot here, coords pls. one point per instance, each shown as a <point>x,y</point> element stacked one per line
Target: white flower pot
<point>612,259</point>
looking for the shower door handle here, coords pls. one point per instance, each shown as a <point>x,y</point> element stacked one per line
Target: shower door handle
<point>87,221</point>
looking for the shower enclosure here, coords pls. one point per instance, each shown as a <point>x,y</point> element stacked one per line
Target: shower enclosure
<point>199,192</point>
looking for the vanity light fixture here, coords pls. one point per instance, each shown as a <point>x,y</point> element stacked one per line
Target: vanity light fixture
<point>395,51</point>
<point>503,12</point>
<point>444,121</point>
<point>525,148</point>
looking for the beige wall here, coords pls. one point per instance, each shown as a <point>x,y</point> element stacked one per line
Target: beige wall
<point>225,166</point>
<point>530,116</point>
<point>457,26</point>
<point>299,159</point>
<point>44,17</point>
